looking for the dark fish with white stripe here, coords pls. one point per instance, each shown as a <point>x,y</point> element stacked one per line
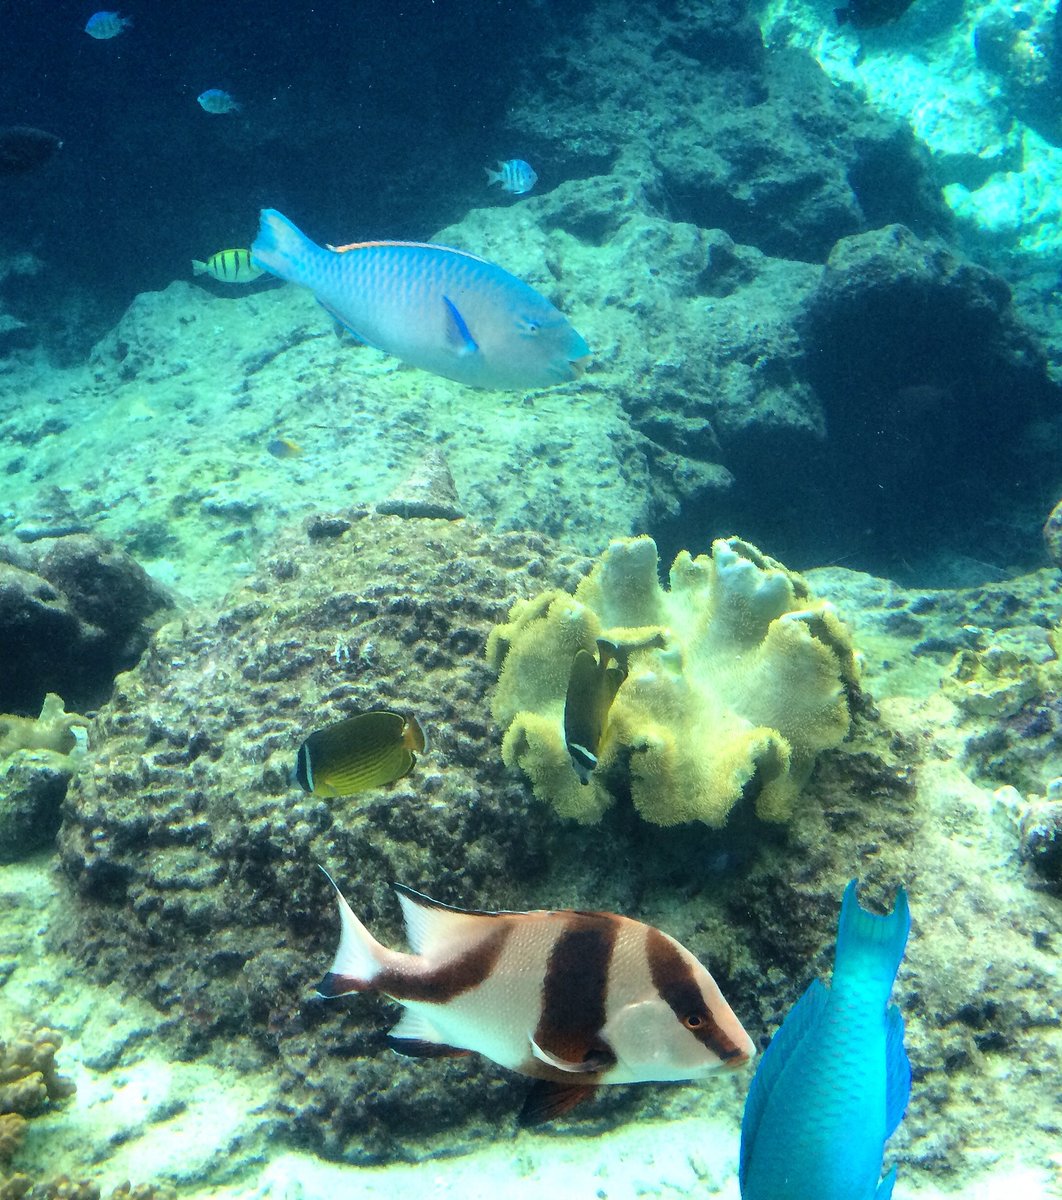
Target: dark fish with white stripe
<point>573,999</point>
<point>592,686</point>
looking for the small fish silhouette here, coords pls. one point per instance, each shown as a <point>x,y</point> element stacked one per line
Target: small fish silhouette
<point>219,102</point>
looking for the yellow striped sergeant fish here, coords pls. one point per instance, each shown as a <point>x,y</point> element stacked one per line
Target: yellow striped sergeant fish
<point>361,752</point>
<point>433,307</point>
<point>575,1000</point>
<point>228,266</point>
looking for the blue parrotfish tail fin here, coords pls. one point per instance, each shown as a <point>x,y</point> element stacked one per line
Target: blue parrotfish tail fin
<point>803,1017</point>
<point>897,1071</point>
<point>869,947</point>
<point>282,249</point>
<point>884,1191</point>
<point>458,336</point>
<point>360,957</point>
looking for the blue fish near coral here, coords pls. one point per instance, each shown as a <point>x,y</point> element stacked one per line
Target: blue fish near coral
<point>104,25</point>
<point>834,1082</point>
<point>516,176</point>
<point>439,309</point>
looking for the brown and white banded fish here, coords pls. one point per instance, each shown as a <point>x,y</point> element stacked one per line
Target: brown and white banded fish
<point>572,999</point>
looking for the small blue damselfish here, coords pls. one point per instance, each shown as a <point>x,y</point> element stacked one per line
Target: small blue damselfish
<point>217,101</point>
<point>516,176</point>
<point>834,1083</point>
<point>104,25</point>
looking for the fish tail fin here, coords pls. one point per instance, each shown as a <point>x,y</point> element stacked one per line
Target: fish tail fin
<point>493,176</point>
<point>359,958</point>
<point>282,249</point>
<point>198,268</point>
<point>869,946</point>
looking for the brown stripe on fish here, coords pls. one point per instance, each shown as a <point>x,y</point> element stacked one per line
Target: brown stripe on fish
<point>673,978</point>
<point>437,985</point>
<point>575,991</point>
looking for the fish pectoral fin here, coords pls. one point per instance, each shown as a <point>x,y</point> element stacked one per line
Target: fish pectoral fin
<point>598,1059</point>
<point>458,336</point>
<point>547,1100</point>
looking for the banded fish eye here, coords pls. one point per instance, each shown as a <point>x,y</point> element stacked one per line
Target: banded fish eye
<point>693,1021</point>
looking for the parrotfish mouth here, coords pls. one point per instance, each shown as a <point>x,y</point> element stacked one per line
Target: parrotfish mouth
<point>579,365</point>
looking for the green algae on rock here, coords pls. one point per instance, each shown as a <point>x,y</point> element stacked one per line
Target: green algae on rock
<point>736,679</point>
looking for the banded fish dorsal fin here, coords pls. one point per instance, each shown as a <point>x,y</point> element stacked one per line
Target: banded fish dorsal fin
<point>431,924</point>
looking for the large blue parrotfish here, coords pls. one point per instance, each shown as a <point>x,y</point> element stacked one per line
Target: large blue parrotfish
<point>834,1083</point>
<point>434,307</point>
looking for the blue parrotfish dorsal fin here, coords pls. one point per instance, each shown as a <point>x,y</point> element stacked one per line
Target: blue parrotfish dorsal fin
<point>897,1071</point>
<point>431,924</point>
<point>870,947</point>
<point>801,1020</point>
<point>457,334</point>
<point>884,1191</point>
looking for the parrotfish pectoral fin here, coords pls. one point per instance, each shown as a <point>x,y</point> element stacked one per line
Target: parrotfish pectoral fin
<point>803,1017</point>
<point>457,333</point>
<point>597,1060</point>
<point>547,1100</point>
<point>884,1191</point>
<point>897,1071</point>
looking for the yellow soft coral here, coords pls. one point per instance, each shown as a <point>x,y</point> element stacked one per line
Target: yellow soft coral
<point>736,679</point>
<point>53,730</point>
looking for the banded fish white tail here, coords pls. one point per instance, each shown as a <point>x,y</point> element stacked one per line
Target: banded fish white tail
<point>572,999</point>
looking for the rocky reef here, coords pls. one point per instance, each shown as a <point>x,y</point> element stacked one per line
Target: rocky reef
<point>194,858</point>
<point>74,611</point>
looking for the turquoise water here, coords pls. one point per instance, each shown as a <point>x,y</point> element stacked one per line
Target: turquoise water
<point>816,270</point>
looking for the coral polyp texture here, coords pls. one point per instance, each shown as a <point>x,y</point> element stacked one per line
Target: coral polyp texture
<point>736,679</point>
<point>29,1083</point>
